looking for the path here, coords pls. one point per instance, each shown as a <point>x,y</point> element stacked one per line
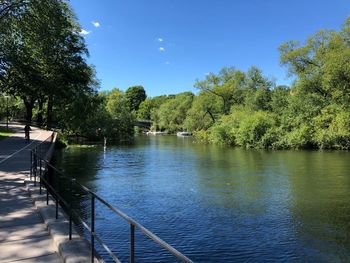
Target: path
<point>23,235</point>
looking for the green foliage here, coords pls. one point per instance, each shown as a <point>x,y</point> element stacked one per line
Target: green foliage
<point>253,130</point>
<point>11,106</point>
<point>121,118</point>
<point>205,109</point>
<point>227,86</point>
<point>42,57</point>
<point>279,99</point>
<point>258,99</point>
<point>224,131</point>
<point>4,133</point>
<point>332,128</point>
<point>144,111</point>
<point>298,138</point>
<point>150,105</point>
<point>135,96</point>
<point>172,114</point>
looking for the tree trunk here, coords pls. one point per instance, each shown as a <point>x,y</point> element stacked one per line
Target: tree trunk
<point>49,112</point>
<point>211,116</point>
<point>29,104</point>
<point>40,111</point>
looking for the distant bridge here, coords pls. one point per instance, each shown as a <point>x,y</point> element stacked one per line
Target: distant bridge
<point>145,124</point>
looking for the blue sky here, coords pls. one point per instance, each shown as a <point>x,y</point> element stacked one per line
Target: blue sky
<point>165,45</point>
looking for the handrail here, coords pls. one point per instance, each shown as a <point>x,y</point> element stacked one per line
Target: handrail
<point>38,161</point>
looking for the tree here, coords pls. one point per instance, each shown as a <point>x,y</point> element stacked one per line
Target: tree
<point>205,111</point>
<point>279,99</point>
<point>226,85</point>
<point>173,112</point>
<point>144,111</point>
<point>11,7</point>
<point>135,96</point>
<point>122,119</point>
<point>42,55</point>
<point>20,71</point>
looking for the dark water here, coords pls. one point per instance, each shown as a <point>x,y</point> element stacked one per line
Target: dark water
<point>219,204</point>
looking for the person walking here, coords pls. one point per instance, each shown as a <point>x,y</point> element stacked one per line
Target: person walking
<point>27,132</point>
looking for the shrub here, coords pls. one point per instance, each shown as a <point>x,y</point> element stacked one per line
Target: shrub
<point>253,128</point>
<point>222,135</point>
<point>300,137</point>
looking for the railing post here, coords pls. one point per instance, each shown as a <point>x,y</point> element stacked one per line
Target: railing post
<point>56,207</point>
<point>70,207</point>
<point>57,177</point>
<point>31,165</point>
<point>47,183</point>
<point>132,243</point>
<point>35,167</point>
<point>47,195</point>
<point>92,237</point>
<point>40,174</point>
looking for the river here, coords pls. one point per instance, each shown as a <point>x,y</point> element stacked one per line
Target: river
<point>218,204</point>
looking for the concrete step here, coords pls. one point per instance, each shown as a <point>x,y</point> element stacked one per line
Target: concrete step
<point>53,258</point>
<point>22,232</point>
<point>25,249</point>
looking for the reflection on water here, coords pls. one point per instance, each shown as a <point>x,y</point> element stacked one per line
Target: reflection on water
<point>219,204</point>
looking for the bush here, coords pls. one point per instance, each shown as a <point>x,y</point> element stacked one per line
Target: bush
<point>253,131</point>
<point>332,129</point>
<point>300,137</point>
<point>222,135</point>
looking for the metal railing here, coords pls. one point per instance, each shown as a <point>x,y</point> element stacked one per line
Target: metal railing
<point>42,172</point>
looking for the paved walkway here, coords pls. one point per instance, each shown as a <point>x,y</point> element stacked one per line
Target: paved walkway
<point>23,235</point>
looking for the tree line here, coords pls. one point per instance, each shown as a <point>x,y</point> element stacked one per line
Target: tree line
<point>247,109</point>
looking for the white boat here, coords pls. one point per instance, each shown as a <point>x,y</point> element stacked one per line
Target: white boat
<point>155,133</point>
<point>183,134</point>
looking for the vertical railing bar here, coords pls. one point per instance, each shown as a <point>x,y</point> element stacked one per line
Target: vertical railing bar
<point>31,165</point>
<point>40,174</point>
<point>70,208</point>
<point>92,237</point>
<point>56,193</point>
<point>56,207</point>
<point>47,187</point>
<point>35,167</point>
<point>132,243</point>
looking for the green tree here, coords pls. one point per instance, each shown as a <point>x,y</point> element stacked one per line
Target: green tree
<point>42,55</point>
<point>279,99</point>
<point>226,86</point>
<point>122,119</point>
<point>205,111</point>
<point>173,112</point>
<point>135,96</point>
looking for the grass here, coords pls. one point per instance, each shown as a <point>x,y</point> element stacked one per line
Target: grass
<point>4,133</point>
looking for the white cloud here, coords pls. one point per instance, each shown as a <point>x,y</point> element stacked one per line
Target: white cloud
<point>84,32</point>
<point>161,49</point>
<point>160,39</point>
<point>96,24</point>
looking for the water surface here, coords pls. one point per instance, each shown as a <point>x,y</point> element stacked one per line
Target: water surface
<point>218,204</point>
